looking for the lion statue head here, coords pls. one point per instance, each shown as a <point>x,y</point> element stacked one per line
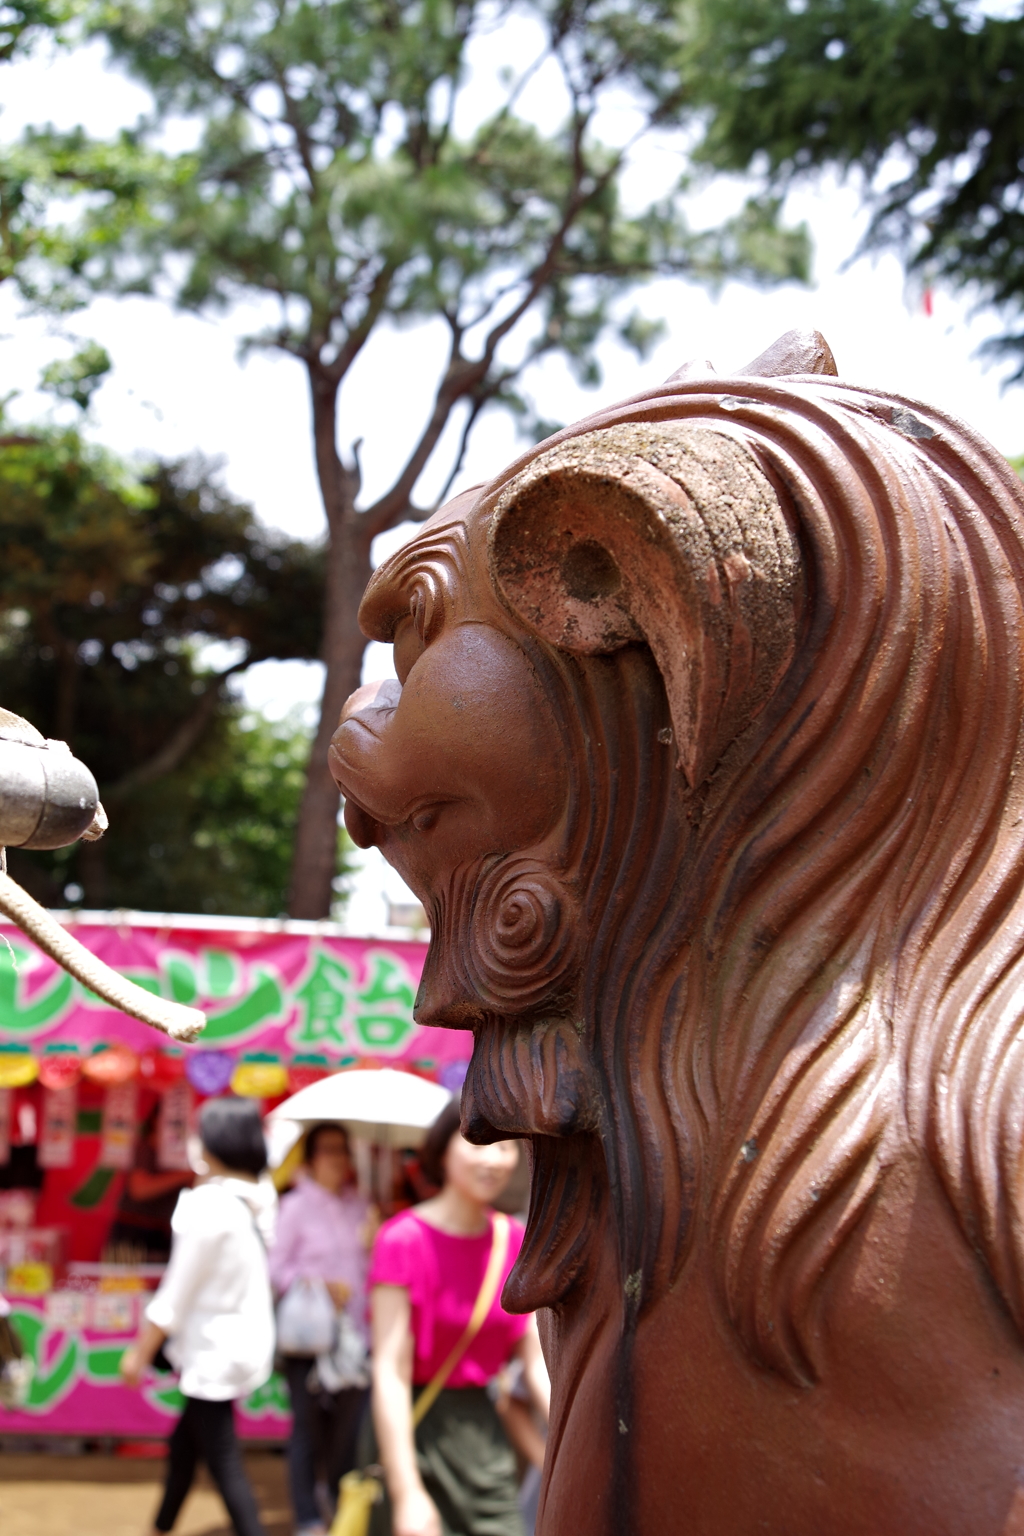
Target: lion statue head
<point>705,759</point>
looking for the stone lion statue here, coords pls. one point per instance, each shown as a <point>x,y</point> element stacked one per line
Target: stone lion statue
<point>705,759</point>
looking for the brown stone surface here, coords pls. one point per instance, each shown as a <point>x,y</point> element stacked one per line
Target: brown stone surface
<point>91,1495</point>
<point>706,760</point>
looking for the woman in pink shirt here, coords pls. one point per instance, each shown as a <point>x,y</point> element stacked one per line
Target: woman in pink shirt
<point>323,1233</point>
<point>457,1475</point>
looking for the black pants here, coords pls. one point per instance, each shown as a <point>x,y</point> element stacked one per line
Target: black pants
<point>325,1431</point>
<point>206,1432</point>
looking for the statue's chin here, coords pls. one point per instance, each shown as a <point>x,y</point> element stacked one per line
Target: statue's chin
<point>526,1079</point>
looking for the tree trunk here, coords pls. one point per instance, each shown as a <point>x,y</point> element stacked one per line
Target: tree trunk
<point>315,859</point>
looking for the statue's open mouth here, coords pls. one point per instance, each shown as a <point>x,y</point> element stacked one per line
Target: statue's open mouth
<point>531,1079</point>
<point>526,1079</point>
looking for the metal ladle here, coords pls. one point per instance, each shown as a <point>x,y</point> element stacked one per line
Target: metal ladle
<point>48,799</point>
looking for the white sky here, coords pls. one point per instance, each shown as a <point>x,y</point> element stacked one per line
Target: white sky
<point>176,386</point>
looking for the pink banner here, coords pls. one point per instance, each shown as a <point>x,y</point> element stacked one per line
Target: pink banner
<point>76,1341</point>
<point>280,1003</point>
<point>276,994</point>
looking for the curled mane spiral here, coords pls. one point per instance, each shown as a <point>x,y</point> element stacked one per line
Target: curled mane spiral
<point>817,966</point>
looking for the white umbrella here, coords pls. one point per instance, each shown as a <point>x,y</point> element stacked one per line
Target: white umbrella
<point>280,1136</point>
<point>393,1109</point>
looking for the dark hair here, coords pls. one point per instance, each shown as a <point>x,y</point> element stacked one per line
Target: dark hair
<point>231,1129</point>
<point>436,1145</point>
<point>313,1137</point>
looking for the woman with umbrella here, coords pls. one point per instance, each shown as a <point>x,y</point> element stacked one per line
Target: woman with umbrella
<point>323,1235</point>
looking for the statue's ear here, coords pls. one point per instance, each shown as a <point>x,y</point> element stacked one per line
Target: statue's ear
<point>668,534</point>
<point>795,352</point>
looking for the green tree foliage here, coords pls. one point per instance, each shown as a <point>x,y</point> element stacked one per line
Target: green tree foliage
<point>335,172</point>
<point>46,258</point>
<point>925,97</point>
<point>77,378</point>
<point>213,836</point>
<point>111,592</point>
<point>21,20</point>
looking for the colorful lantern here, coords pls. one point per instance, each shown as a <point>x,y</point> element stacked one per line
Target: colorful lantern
<point>160,1070</point>
<point>110,1065</point>
<point>61,1067</point>
<point>305,1070</point>
<point>452,1075</point>
<point>259,1078</point>
<point>17,1069</point>
<point>209,1072</point>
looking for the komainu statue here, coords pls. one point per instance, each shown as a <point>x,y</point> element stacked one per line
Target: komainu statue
<point>706,761</point>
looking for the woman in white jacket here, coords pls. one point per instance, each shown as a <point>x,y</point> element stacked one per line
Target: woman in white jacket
<point>214,1310</point>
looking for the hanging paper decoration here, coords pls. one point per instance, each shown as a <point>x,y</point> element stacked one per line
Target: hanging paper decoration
<point>117,1147</point>
<point>172,1126</point>
<point>115,1312</point>
<point>110,1065</point>
<point>17,1069</point>
<point>25,1123</point>
<point>56,1147</point>
<point>61,1067</point>
<point>209,1072</point>
<point>159,1069</point>
<point>259,1078</point>
<point>305,1070</point>
<point>6,1109</point>
<point>68,1310</point>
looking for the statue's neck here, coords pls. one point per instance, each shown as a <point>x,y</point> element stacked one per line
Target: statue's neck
<point>569,1267</point>
<point>587,1481</point>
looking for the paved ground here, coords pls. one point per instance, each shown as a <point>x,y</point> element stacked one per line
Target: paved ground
<point>111,1496</point>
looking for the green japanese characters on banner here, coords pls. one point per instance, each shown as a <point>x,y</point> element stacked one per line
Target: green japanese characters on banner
<point>344,1000</point>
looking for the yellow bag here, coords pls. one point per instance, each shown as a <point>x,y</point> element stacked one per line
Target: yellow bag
<point>359,1491</point>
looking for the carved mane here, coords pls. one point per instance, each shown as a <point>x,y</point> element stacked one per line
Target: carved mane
<point>813,965</point>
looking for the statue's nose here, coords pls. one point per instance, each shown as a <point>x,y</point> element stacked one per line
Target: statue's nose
<point>358,741</point>
<point>372,703</point>
<point>358,756</point>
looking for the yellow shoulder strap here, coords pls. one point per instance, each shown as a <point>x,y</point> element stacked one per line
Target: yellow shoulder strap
<point>485,1298</point>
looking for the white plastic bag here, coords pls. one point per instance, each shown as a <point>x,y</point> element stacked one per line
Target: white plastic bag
<point>348,1363</point>
<point>16,1368</point>
<point>307,1323</point>
<point>16,1382</point>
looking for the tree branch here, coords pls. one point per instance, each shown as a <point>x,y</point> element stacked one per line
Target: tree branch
<point>464,376</point>
<point>177,748</point>
<point>504,113</point>
<point>294,121</point>
<point>358,335</point>
<point>460,458</point>
<point>460,378</point>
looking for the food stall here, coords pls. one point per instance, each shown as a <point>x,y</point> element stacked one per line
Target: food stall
<point>96,1109</point>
